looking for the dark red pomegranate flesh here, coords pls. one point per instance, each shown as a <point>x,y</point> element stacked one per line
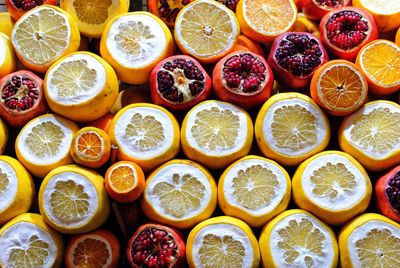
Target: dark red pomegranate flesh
<point>294,57</point>
<point>346,30</point>
<point>21,98</point>
<point>316,9</point>
<point>231,4</point>
<point>26,5</point>
<point>169,9</point>
<point>155,245</point>
<point>179,82</point>
<point>387,192</point>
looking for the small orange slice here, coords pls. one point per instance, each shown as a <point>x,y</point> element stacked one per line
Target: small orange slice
<point>339,87</point>
<point>124,181</point>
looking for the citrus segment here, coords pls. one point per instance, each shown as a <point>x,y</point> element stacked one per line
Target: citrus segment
<point>206,30</point>
<point>7,56</point>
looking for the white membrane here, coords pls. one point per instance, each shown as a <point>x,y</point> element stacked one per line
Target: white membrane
<point>165,175</point>
<point>343,200</point>
<point>361,232</point>
<point>279,190</point>
<point>88,188</point>
<point>242,130</point>
<point>278,254</point>
<point>125,143</point>
<point>47,160</point>
<point>221,230</point>
<point>151,48</point>
<point>321,126</point>
<point>82,95</point>
<point>3,52</point>
<point>348,127</point>
<point>7,197</point>
<point>17,237</point>
<point>385,7</point>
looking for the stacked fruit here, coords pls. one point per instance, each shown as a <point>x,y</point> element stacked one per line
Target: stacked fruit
<point>207,77</point>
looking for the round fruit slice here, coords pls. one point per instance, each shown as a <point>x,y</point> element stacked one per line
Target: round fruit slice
<point>26,241</point>
<point>370,240</point>
<point>98,249</point>
<point>290,128</point>
<point>180,193</point>
<point>73,200</point>
<point>167,10</point>
<point>216,133</point>
<point>91,147</point>
<point>6,23</point>
<point>81,86</point>
<point>263,20</point>
<point>7,56</point>
<point>332,186</point>
<point>3,136</point>
<point>316,9</point>
<point>44,144</point>
<point>222,242</point>
<point>387,189</point>
<point>295,238</point>
<point>133,43</point>
<point>380,62</point>
<point>43,35</point>
<point>372,135</point>
<point>125,181</point>
<point>146,134</point>
<point>206,30</point>
<point>339,87</point>
<point>17,189</point>
<point>254,189</point>
<point>92,16</point>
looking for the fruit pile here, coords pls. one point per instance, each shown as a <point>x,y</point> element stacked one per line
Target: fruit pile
<point>229,133</point>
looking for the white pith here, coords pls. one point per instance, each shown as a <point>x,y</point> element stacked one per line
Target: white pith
<point>361,232</point>
<point>7,197</point>
<point>277,253</point>
<point>82,154</point>
<point>242,130</point>
<point>348,126</point>
<point>280,189</point>
<point>81,96</point>
<point>16,237</point>
<point>153,48</point>
<point>48,160</point>
<point>344,200</point>
<point>74,245</point>
<point>165,175</point>
<point>386,8</point>
<point>160,116</point>
<point>221,230</point>
<point>321,130</point>
<point>135,181</point>
<point>89,189</point>
<point>3,50</point>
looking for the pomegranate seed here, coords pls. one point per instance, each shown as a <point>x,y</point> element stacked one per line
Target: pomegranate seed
<point>19,93</point>
<point>393,191</point>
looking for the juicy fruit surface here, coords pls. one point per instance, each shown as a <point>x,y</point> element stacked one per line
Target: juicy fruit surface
<point>90,146</point>
<point>123,178</point>
<point>26,5</point>
<point>393,191</point>
<point>45,139</point>
<point>91,253</point>
<point>330,3</point>
<point>92,12</point>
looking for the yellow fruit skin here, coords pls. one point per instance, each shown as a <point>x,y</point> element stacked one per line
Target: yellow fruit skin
<point>74,41</point>
<point>103,209</point>
<point>38,221</point>
<point>326,215</point>
<point>9,65</point>
<point>397,38</point>
<point>220,161</point>
<point>367,161</point>
<point>42,170</point>
<point>6,23</point>
<point>254,221</point>
<point>262,142</point>
<point>3,136</point>
<point>25,192</point>
<point>94,108</point>
<point>222,220</point>
<point>265,237</point>
<point>151,213</point>
<point>348,229</point>
<point>139,75</point>
<point>303,24</point>
<point>150,163</point>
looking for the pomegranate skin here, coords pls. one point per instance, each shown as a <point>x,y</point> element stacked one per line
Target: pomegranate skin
<point>18,118</point>
<point>314,11</point>
<point>175,234</point>
<point>351,54</point>
<point>382,198</point>
<point>285,77</point>
<point>17,12</point>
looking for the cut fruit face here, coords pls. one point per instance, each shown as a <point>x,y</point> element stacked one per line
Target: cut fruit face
<point>89,146</point>
<point>8,185</point>
<point>374,244</point>
<point>390,7</point>
<point>92,12</point>
<point>91,252</point>
<point>123,178</point>
<point>42,36</point>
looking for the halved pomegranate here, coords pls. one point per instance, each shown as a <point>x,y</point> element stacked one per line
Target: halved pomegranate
<point>22,98</point>
<point>231,4</point>
<point>387,192</point>
<point>167,10</point>
<point>243,78</point>
<point>294,56</point>
<point>179,82</point>
<point>316,9</point>
<point>346,30</point>
<point>17,8</point>
<point>155,245</point>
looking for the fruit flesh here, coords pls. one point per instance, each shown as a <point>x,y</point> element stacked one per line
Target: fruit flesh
<point>20,93</point>
<point>393,192</point>
<point>26,5</point>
